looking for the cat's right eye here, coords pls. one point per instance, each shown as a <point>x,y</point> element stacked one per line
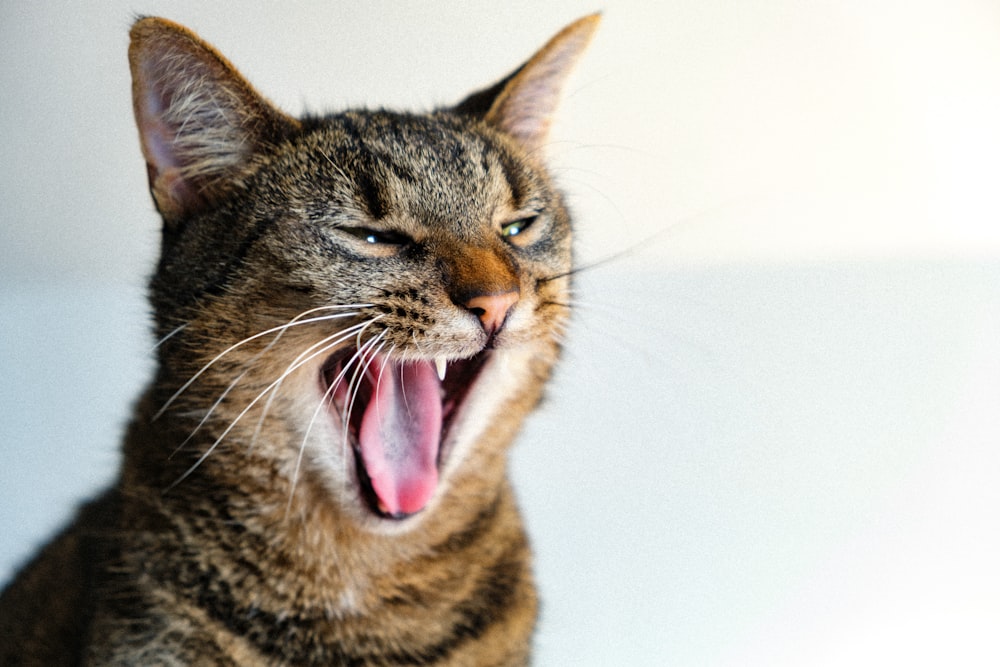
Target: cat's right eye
<point>376,237</point>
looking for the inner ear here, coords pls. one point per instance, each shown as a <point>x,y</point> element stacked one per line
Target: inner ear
<point>199,120</point>
<point>523,103</point>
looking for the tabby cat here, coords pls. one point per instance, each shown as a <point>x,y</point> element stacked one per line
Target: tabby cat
<point>355,314</point>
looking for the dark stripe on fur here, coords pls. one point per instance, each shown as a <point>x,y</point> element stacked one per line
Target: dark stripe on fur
<point>490,604</point>
<point>371,193</point>
<point>298,637</point>
<point>215,268</point>
<point>462,539</point>
<point>514,173</point>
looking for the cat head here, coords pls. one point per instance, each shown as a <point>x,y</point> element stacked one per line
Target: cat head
<point>367,301</point>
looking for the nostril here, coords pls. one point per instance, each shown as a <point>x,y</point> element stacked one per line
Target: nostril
<point>492,309</point>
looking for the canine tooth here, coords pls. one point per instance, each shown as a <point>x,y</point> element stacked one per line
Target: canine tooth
<point>442,366</point>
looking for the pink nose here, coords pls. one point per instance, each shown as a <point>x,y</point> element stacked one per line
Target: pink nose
<point>492,309</point>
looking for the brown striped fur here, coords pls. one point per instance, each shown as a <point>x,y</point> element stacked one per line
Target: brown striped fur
<point>245,529</point>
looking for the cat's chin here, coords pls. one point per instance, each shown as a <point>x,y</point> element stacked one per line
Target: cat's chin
<point>397,416</point>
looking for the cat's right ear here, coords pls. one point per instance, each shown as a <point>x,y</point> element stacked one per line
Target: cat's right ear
<point>199,120</point>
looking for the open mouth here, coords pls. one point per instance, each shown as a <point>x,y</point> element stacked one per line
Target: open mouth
<point>396,416</point>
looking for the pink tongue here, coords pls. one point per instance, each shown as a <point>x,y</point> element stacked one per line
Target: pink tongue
<point>400,433</point>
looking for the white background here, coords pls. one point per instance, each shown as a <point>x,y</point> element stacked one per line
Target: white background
<point>774,438</point>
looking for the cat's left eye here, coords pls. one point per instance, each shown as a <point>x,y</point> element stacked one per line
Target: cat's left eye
<point>517,227</point>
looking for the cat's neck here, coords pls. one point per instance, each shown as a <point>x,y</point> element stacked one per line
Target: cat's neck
<point>306,560</point>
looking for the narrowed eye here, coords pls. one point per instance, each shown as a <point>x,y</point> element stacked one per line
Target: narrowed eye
<point>512,229</point>
<point>376,237</point>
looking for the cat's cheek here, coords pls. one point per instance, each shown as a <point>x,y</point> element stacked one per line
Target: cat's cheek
<point>488,399</point>
<point>532,324</point>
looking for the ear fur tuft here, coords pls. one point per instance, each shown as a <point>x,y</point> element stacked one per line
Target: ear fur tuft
<point>522,104</point>
<point>199,120</point>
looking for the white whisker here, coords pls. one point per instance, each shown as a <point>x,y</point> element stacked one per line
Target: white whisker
<point>363,359</point>
<point>274,393</point>
<point>232,384</point>
<point>336,340</point>
<point>347,179</point>
<point>258,429</point>
<point>360,372</point>
<point>296,321</point>
<point>208,414</point>
<point>381,370</point>
<point>170,335</point>
<point>327,396</point>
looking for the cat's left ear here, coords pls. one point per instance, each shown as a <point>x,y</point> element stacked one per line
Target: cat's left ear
<point>522,104</point>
